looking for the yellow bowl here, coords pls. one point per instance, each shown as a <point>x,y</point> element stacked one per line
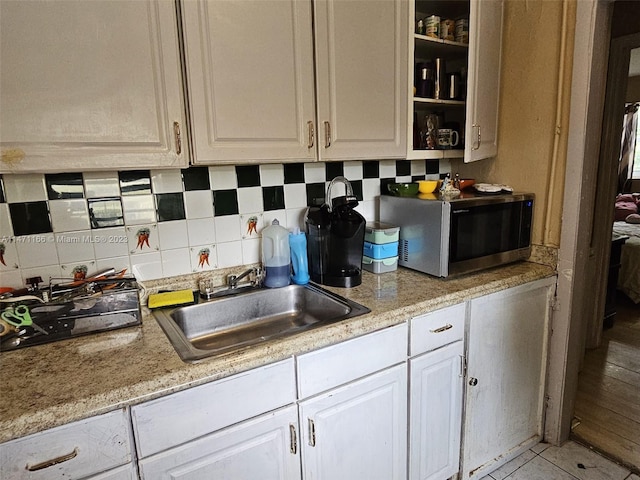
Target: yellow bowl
<point>427,186</point>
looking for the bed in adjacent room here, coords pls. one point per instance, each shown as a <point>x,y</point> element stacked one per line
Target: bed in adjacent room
<point>628,223</point>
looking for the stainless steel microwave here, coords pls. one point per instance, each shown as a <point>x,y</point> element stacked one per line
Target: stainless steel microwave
<point>450,236</point>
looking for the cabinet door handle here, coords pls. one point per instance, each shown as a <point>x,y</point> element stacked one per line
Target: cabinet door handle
<point>444,328</point>
<point>473,381</point>
<point>293,439</point>
<point>53,461</point>
<point>312,134</point>
<point>312,433</point>
<point>327,134</point>
<point>178,137</point>
<point>476,143</point>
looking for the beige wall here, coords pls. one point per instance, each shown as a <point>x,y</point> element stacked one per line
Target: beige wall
<point>531,66</point>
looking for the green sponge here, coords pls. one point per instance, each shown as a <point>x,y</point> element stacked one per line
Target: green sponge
<point>170,299</point>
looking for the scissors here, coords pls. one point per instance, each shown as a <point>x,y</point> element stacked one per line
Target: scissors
<point>19,317</point>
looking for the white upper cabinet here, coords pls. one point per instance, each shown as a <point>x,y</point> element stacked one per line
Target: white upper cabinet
<point>483,93</point>
<point>252,79</point>
<point>361,55</point>
<point>90,85</point>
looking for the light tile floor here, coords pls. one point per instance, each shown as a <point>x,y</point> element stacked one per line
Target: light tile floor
<point>571,461</point>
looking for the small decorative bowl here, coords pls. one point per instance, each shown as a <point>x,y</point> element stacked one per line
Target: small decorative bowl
<point>403,189</point>
<point>466,183</point>
<point>427,186</point>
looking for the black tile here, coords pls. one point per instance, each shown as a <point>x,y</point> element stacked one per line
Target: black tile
<point>383,185</point>
<point>432,166</point>
<point>225,202</point>
<point>135,182</point>
<point>293,173</point>
<point>195,178</point>
<point>356,185</point>
<point>30,218</point>
<point>403,168</point>
<point>2,197</point>
<point>64,185</point>
<point>170,206</point>
<point>416,178</point>
<point>248,175</point>
<point>333,170</point>
<point>273,198</point>
<point>105,212</point>
<point>371,169</point>
<point>315,193</point>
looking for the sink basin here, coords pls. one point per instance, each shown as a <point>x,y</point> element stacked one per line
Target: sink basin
<point>248,318</point>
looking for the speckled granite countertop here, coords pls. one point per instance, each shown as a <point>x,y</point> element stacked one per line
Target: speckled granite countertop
<point>49,385</point>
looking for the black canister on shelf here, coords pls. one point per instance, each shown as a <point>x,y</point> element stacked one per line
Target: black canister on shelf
<point>425,81</point>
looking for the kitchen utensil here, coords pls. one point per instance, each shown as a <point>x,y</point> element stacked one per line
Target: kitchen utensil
<point>20,317</point>
<point>403,189</point>
<point>6,328</point>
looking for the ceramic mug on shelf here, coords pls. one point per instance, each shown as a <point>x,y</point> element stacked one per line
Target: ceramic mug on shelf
<point>447,138</point>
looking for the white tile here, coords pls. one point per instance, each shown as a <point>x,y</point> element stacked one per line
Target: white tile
<point>251,251</point>
<point>314,172</point>
<point>271,175</point>
<point>147,266</point>
<point>387,169</point>
<point>6,228</point>
<point>203,258</point>
<point>295,195</point>
<point>46,272</point>
<point>370,188</point>
<point>508,468</point>
<point>166,181</point>
<point>173,235</point>
<point>269,217</point>
<point>142,239</point>
<point>8,256</point>
<point>198,204</point>
<point>24,188</point>
<point>250,224</point>
<point>295,218</point>
<point>138,209</point>
<point>78,269</point>
<point>367,210</point>
<point>228,228</point>
<point>404,179</point>
<point>540,447</point>
<point>223,178</point>
<point>229,254</point>
<point>69,215</point>
<point>175,262</point>
<point>540,469</point>
<point>570,454</point>
<point>74,246</point>
<point>101,184</point>
<point>201,231</point>
<point>250,200</point>
<point>353,170</point>
<point>37,250</point>
<point>418,167</point>
<point>13,278</point>
<point>110,242</point>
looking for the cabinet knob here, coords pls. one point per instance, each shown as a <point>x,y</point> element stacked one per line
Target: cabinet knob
<point>473,381</point>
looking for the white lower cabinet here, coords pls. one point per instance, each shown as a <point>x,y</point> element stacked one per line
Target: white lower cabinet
<point>125,472</point>
<point>507,336</point>
<point>261,448</point>
<point>357,431</point>
<point>77,450</point>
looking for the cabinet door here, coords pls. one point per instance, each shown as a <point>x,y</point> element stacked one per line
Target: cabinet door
<point>361,57</point>
<point>250,74</point>
<point>507,356</point>
<point>90,85</point>
<point>262,448</point>
<point>483,91</point>
<point>358,430</point>
<point>435,413</point>
<point>126,472</point>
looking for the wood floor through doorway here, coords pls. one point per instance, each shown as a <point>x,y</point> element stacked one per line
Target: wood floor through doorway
<point>607,407</point>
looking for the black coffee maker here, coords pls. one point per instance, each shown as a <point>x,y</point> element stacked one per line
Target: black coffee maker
<point>335,238</point>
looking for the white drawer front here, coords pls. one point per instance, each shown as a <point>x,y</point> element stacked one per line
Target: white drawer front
<point>435,329</point>
<point>125,472</point>
<point>177,418</point>
<point>341,363</point>
<point>82,448</point>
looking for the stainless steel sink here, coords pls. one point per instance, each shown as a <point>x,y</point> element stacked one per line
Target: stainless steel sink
<point>248,318</point>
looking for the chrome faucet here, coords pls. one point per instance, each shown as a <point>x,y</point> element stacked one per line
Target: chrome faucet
<point>207,291</point>
<point>255,277</point>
